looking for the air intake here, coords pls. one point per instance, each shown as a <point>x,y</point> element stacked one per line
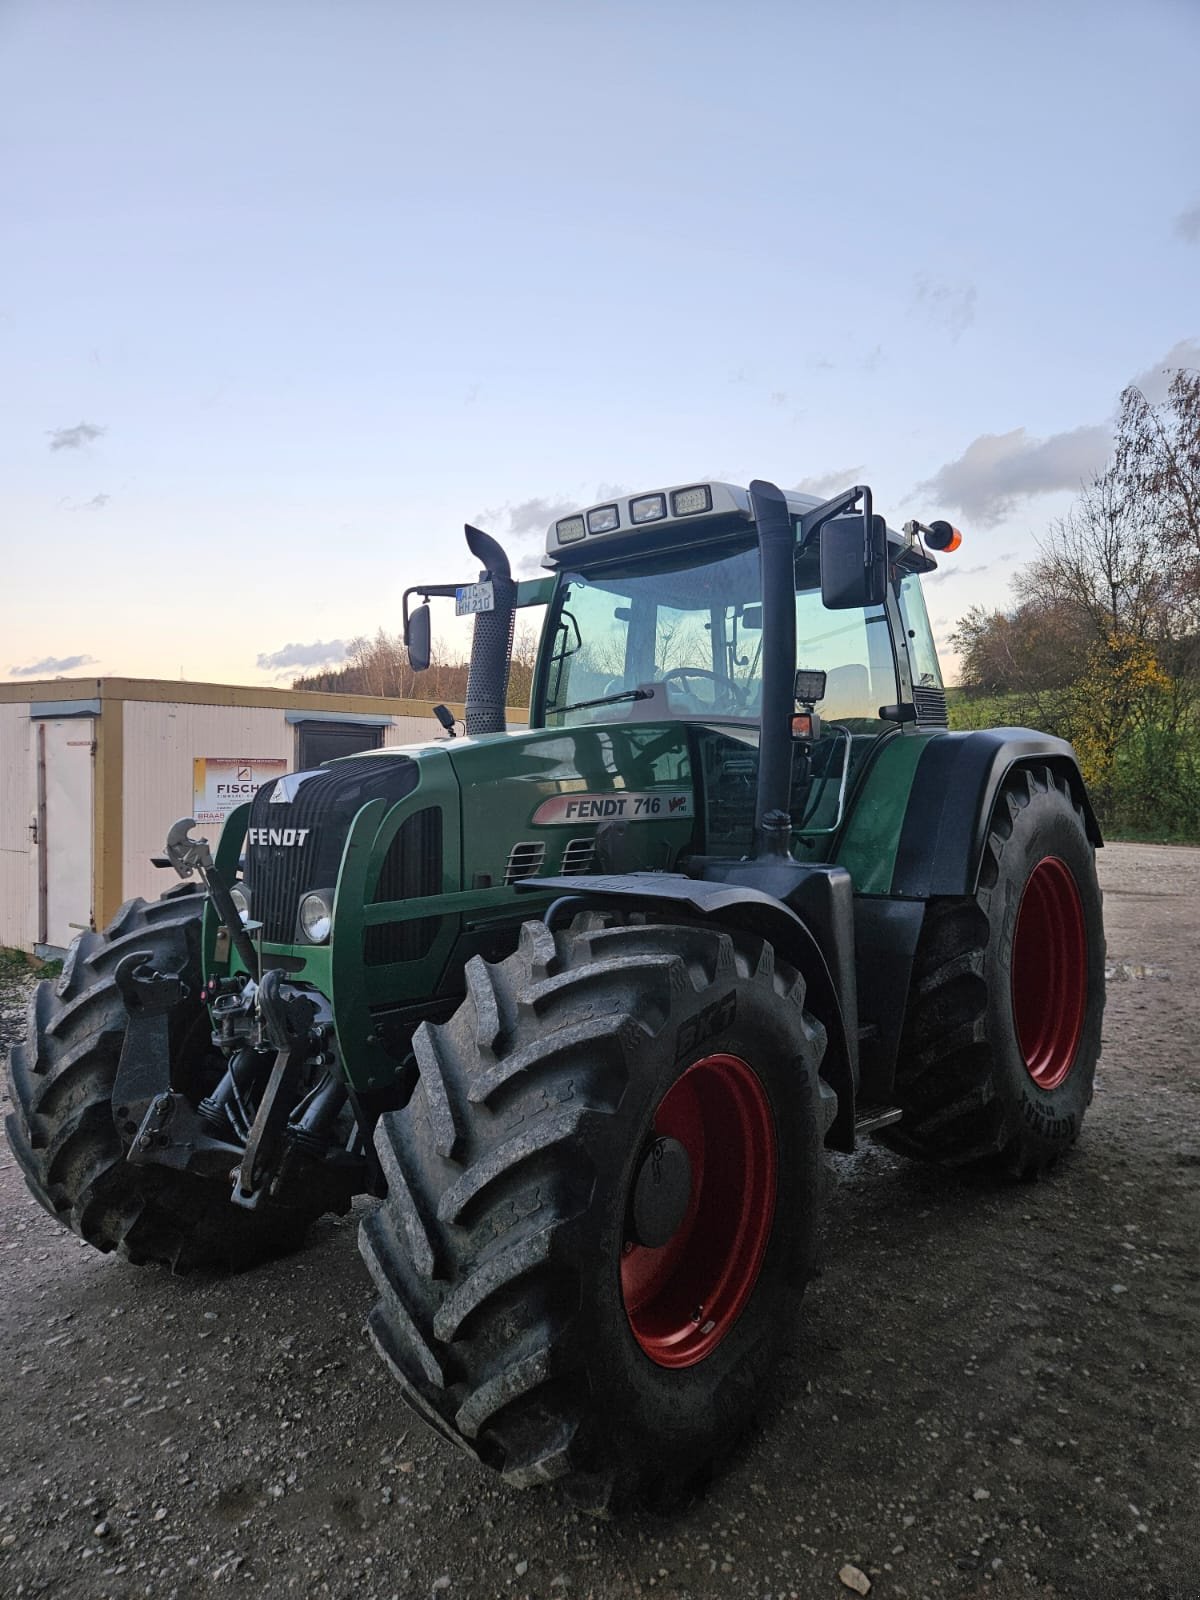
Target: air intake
<point>525,860</point>
<point>931,706</point>
<point>315,809</point>
<point>578,857</point>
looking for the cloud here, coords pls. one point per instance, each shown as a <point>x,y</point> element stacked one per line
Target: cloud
<point>955,572</point>
<point>829,483</point>
<point>1156,380</point>
<point>49,665</point>
<point>523,518</point>
<point>612,491</point>
<point>1187,225</point>
<point>75,438</point>
<point>998,470</point>
<point>96,503</point>
<point>950,305</point>
<point>320,653</point>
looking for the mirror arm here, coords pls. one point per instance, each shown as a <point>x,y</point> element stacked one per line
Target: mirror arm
<point>815,519</point>
<point>812,521</point>
<point>425,590</point>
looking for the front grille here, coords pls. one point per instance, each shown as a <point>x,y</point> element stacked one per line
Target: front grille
<point>525,860</point>
<point>578,857</point>
<point>324,802</point>
<point>931,706</point>
<point>412,869</point>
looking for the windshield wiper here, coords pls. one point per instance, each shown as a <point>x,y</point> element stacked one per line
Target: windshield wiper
<point>608,700</point>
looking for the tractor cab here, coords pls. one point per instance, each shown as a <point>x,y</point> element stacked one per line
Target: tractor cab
<point>670,607</point>
<point>658,612</point>
<point>658,615</point>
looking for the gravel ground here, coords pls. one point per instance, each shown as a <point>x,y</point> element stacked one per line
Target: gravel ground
<point>990,1392</point>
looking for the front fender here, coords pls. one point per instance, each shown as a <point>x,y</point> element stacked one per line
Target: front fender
<point>737,906</point>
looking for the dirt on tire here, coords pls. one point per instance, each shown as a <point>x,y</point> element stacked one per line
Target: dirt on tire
<point>989,1391</point>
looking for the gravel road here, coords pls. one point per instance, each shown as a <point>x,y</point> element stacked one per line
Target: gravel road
<point>991,1392</point>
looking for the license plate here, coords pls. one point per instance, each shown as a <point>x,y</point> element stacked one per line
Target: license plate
<point>473,597</point>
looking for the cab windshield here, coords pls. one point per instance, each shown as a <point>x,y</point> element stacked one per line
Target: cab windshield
<point>689,623</point>
<point>682,636</point>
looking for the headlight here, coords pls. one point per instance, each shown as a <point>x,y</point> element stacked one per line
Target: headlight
<point>316,917</point>
<point>648,507</point>
<point>241,899</point>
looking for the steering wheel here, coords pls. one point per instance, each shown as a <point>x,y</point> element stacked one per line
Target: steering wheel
<point>734,694</point>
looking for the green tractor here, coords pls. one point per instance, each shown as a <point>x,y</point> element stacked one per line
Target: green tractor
<point>583,1004</point>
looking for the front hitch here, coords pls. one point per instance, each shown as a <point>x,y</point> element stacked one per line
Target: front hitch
<point>189,856</point>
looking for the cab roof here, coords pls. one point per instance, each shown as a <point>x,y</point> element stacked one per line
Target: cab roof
<point>661,519</point>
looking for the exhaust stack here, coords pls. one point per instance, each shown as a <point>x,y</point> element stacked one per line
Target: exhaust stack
<point>491,645</point>
<point>776,544</point>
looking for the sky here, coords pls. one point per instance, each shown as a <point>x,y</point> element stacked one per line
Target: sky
<point>290,289</point>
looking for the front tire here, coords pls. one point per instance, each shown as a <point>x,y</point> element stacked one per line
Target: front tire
<point>517,1313</point>
<point>1002,1034</point>
<point>62,1131</point>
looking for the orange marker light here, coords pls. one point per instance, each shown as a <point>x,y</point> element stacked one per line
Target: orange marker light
<point>941,536</point>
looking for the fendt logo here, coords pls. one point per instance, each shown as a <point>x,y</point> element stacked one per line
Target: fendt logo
<point>288,836</point>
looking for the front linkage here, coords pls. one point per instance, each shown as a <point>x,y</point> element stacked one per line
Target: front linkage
<point>277,1121</point>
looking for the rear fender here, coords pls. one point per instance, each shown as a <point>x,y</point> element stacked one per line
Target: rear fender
<point>749,910</point>
<point>952,799</point>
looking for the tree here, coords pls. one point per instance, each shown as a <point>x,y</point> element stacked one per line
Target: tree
<point>1158,464</point>
<point>1101,646</point>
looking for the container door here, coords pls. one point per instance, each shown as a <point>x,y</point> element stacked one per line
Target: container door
<point>325,741</point>
<point>65,856</point>
<point>18,880</point>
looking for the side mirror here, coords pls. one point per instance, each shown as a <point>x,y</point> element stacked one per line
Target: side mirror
<point>417,639</point>
<point>853,562</point>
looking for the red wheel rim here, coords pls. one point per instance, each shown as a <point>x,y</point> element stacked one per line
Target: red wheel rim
<point>682,1299</point>
<point>1049,972</point>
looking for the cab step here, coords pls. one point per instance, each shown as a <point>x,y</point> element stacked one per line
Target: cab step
<point>871,1118</point>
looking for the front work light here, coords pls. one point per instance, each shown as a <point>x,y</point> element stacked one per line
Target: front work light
<point>241,900</point>
<point>603,519</point>
<point>687,502</point>
<point>810,686</point>
<point>648,508</point>
<point>316,916</point>
<point>570,530</point>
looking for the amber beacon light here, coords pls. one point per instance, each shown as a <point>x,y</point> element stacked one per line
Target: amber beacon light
<point>937,535</point>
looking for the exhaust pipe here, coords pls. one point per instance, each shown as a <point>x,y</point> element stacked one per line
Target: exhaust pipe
<point>491,646</point>
<point>772,823</point>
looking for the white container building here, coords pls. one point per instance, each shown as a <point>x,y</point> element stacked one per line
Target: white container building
<point>93,771</point>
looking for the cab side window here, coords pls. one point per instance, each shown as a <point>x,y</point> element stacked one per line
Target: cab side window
<point>922,652</point>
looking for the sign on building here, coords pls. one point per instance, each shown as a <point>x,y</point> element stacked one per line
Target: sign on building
<point>219,783</point>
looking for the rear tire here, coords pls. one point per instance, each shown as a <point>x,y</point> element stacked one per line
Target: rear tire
<point>498,1250</point>
<point>1002,1034</point>
<point>62,1131</point>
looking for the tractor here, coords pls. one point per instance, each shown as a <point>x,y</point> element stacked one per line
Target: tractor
<point>583,1004</point>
